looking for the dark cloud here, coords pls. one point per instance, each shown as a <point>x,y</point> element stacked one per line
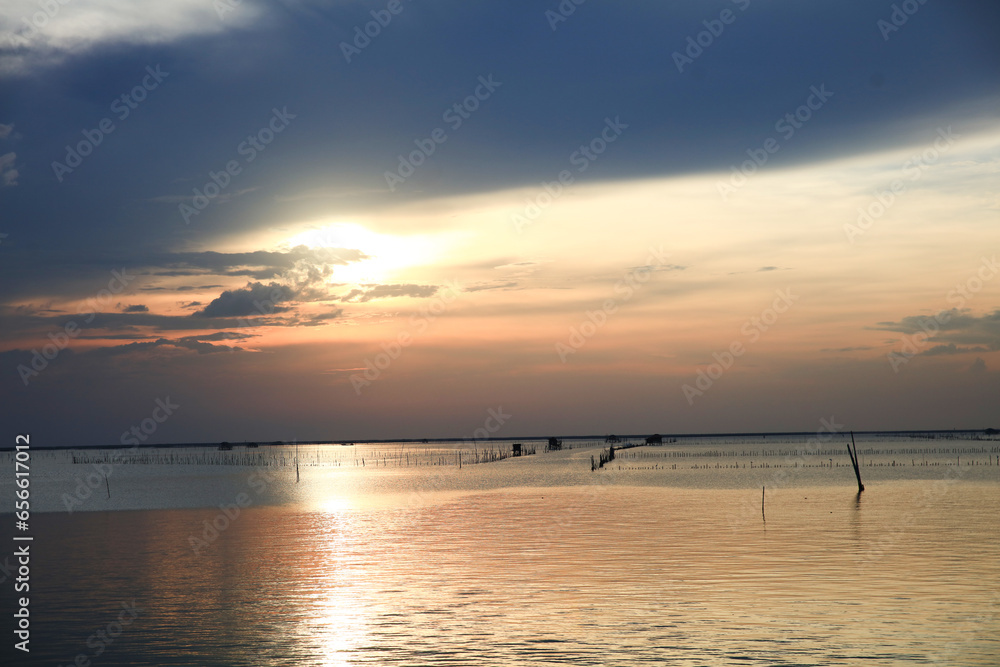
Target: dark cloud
<point>254,299</point>
<point>16,357</point>
<point>219,263</point>
<point>138,308</point>
<point>118,325</point>
<point>124,336</point>
<point>658,267</point>
<point>493,286</point>
<point>83,274</point>
<point>389,291</point>
<point>951,331</point>
<point>182,343</point>
<point>946,320</point>
<point>762,269</point>
<point>328,316</point>
<point>218,335</point>
<point>951,348</point>
<point>702,118</point>
<point>257,274</point>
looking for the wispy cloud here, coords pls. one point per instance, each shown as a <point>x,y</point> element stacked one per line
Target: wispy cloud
<point>8,172</point>
<point>34,37</point>
<point>389,291</point>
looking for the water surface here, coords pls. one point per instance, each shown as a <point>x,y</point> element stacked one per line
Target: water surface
<point>536,560</point>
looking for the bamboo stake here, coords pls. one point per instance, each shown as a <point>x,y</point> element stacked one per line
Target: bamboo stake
<point>854,462</point>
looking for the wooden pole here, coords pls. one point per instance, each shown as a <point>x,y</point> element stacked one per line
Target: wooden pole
<point>854,462</point>
<point>762,505</point>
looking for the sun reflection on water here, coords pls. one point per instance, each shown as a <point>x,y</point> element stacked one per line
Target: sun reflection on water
<point>337,624</point>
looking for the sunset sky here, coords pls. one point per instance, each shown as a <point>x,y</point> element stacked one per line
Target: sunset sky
<point>593,218</point>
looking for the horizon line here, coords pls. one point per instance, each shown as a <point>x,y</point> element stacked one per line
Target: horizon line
<point>274,443</point>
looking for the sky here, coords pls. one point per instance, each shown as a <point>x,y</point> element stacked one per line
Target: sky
<point>344,220</point>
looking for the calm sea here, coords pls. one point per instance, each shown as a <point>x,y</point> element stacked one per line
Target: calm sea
<point>394,554</point>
